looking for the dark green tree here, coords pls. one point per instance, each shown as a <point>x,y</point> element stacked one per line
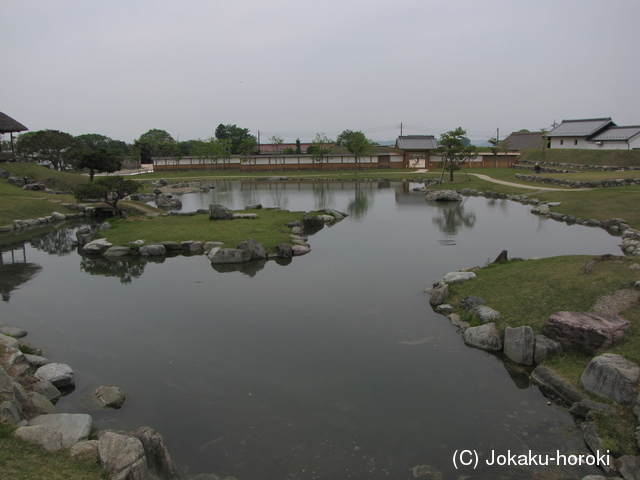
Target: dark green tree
<point>155,143</point>
<point>356,143</point>
<point>298,150</point>
<point>47,146</point>
<point>321,148</point>
<point>95,141</point>
<point>108,189</point>
<point>456,150</point>
<point>235,134</point>
<point>98,161</point>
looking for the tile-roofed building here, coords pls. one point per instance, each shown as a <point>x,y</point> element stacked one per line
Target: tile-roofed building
<point>594,133</point>
<point>416,145</point>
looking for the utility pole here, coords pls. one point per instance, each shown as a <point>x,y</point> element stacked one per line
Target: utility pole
<point>400,128</point>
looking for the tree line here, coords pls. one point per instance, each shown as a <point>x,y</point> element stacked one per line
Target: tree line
<point>99,153</point>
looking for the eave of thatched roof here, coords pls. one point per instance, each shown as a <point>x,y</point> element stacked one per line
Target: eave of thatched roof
<point>8,124</point>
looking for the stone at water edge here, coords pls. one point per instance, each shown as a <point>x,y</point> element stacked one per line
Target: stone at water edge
<point>612,376</point>
<point>484,337</point>
<point>74,427</point>
<point>519,344</point>
<point>110,396</point>
<point>58,374</point>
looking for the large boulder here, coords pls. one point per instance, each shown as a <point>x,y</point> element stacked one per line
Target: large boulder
<point>118,251</point>
<point>443,196</point>
<point>219,255</point>
<point>110,396</point>
<point>84,236</point>
<point>519,344</point>
<point>58,374</point>
<point>96,247</point>
<point>123,457</point>
<point>152,250</point>
<point>585,331</point>
<point>168,201</point>
<point>612,376</point>
<point>255,249</point>
<point>284,250</point>
<point>74,427</point>
<point>49,439</point>
<point>485,314</point>
<point>297,250</point>
<point>484,337</point>
<point>159,460</point>
<point>439,295</point>
<point>219,212</point>
<point>545,348</point>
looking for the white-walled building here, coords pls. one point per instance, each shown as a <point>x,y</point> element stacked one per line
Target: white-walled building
<point>594,133</point>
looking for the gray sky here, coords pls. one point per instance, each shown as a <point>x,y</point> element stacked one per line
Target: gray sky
<point>295,67</point>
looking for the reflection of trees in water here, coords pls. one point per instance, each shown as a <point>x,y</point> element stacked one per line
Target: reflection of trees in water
<point>452,216</point>
<point>362,202</point>
<point>249,193</point>
<point>278,194</point>
<point>61,241</point>
<point>126,270</point>
<point>322,194</point>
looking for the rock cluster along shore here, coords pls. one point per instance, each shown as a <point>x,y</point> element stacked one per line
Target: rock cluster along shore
<point>245,251</point>
<point>30,386</point>
<point>609,376</point>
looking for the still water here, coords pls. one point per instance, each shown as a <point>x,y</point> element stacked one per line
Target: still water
<point>331,367</point>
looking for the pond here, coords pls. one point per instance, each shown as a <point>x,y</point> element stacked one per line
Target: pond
<point>331,367</point>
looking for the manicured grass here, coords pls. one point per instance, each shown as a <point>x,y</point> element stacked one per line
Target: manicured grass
<point>623,158</point>
<point>269,229</point>
<point>20,460</point>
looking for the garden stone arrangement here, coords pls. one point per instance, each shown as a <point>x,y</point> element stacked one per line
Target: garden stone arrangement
<point>609,376</point>
<point>215,251</point>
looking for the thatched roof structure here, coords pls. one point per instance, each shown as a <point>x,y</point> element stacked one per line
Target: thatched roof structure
<point>9,125</point>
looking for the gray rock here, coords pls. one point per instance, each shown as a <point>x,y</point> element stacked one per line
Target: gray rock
<point>168,201</point>
<point>246,216</point>
<point>519,344</point>
<point>583,408</point>
<point>585,331</point>
<point>170,246</point>
<point>46,388</point>
<point>541,209</point>
<point>629,467</point>
<point>255,249</point>
<point>11,412</point>
<point>85,450</point>
<point>219,212</point>
<point>152,250</point>
<point>110,396</point>
<point>122,457</point>
<point>548,378</point>
<point>444,309</point>
<point>439,295</point>
<point>74,427</point>
<point>219,255</point>
<point>96,247</point>
<point>36,360</point>
<point>8,342</point>
<point>15,332</point>
<point>311,221</point>
<point>458,322</point>
<point>284,250</point>
<point>612,376</point>
<point>545,348</point>
<point>484,337</point>
<point>47,438</point>
<point>443,196</point>
<point>469,302</point>
<point>38,404</point>
<point>58,374</point>
<point>327,218</point>
<point>298,250</point>
<point>84,236</point>
<point>453,277</point>
<point>118,251</point>
<point>595,445</point>
<point>159,460</point>
<point>485,314</point>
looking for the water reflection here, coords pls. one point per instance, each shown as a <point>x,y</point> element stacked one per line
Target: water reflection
<point>14,269</point>
<point>451,216</point>
<point>125,270</point>
<point>58,242</point>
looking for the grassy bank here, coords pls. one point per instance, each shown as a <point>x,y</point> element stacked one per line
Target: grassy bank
<point>20,460</point>
<point>621,158</point>
<point>528,292</point>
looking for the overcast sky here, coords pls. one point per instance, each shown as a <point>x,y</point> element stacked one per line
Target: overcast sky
<point>295,67</point>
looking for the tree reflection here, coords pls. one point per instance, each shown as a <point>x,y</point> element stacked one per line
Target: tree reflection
<point>61,241</point>
<point>452,216</point>
<point>13,275</point>
<point>362,201</point>
<point>323,195</point>
<point>125,270</point>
